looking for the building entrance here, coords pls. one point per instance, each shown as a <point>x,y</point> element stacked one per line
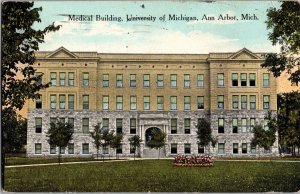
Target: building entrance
<point>149,133</point>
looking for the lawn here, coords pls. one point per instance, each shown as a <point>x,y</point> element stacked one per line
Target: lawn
<point>156,176</point>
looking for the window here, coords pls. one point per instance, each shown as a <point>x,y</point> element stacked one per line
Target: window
<point>105,123</point>
<point>38,125</point>
<point>105,149</point>
<point>146,78</point>
<point>119,149</point>
<point>252,79</point>
<point>53,101</point>
<point>173,148</point>
<point>187,103</point>
<point>266,102</point>
<point>119,80</point>
<point>52,120</point>
<point>38,148</point>
<point>62,150</point>
<point>119,102</point>
<point>186,80</point>
<point>62,78</point>
<point>253,149</point>
<point>71,148</point>
<point>266,80</point>
<point>234,79</point>
<point>244,148</point>
<point>244,102</point>
<point>105,102</point>
<point>39,80</point>
<point>85,79</point>
<point>71,122</point>
<point>173,79</point>
<point>200,80</point>
<point>119,124</point>
<point>146,102</point>
<point>173,101</point>
<point>52,149</point>
<point>187,148</point>
<point>235,148</point>
<point>160,80</point>
<point>173,126</point>
<point>235,102</point>
<point>53,78</point>
<point>85,101</point>
<point>220,102</point>
<point>200,102</point>
<point>220,79</point>
<point>62,120</point>
<point>71,101</point>
<point>132,102</point>
<point>133,80</point>
<point>71,77</point>
<point>160,103</point>
<point>244,125</point>
<point>243,79</point>
<point>85,125</point>
<point>252,124</point>
<point>105,80</point>
<point>133,126</point>
<point>187,126</point>
<point>85,148</point>
<point>266,124</point>
<point>252,102</point>
<point>234,125</point>
<point>200,149</point>
<point>132,149</point>
<point>38,102</point>
<point>62,101</point>
<point>221,148</point>
<point>220,125</point>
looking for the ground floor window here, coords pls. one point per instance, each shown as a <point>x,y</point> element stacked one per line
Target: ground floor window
<point>52,149</point>
<point>38,148</point>
<point>268,150</point>
<point>221,148</point>
<point>71,148</point>
<point>253,149</point>
<point>85,148</point>
<point>132,149</point>
<point>187,148</point>
<point>174,148</point>
<point>119,150</point>
<point>244,148</point>
<point>235,148</point>
<point>200,149</point>
<point>104,149</point>
<point>62,150</point>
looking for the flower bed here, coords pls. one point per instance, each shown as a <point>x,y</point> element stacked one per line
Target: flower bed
<point>198,160</point>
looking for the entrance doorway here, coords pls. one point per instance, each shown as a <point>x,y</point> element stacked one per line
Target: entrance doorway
<point>149,133</point>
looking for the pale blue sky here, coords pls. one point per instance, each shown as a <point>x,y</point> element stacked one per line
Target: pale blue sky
<point>157,37</point>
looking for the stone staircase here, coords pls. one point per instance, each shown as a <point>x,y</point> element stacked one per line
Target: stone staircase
<point>153,153</point>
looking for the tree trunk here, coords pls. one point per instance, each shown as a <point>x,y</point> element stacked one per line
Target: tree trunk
<point>59,155</point>
<point>97,153</point>
<point>2,164</point>
<point>134,154</point>
<point>158,153</point>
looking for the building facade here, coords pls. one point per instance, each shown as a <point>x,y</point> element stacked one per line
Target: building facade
<point>134,93</point>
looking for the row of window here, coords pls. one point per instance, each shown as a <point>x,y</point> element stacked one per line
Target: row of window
<point>174,122</point>
<point>243,81</point>
<point>159,102</point>
<point>173,149</point>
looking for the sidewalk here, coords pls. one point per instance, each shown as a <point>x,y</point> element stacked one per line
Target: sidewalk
<point>131,159</point>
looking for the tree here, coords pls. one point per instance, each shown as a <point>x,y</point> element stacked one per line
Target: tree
<point>284,23</point>
<point>97,137</point>
<point>158,140</point>
<point>265,137</point>
<point>19,42</point>
<point>135,143</point>
<point>288,119</point>
<point>107,137</point>
<point>116,142</point>
<point>204,133</point>
<point>60,134</point>
<point>14,131</point>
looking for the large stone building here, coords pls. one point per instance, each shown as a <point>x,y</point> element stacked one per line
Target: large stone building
<point>134,93</point>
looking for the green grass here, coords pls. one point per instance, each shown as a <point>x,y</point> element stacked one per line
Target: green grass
<point>156,176</point>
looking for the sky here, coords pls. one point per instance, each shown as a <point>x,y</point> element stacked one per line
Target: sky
<point>159,36</point>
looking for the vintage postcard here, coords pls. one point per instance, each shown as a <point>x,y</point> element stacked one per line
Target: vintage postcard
<point>149,96</point>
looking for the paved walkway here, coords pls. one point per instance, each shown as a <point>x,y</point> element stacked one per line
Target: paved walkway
<point>131,159</point>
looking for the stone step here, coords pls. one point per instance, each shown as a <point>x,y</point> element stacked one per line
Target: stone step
<point>153,153</point>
